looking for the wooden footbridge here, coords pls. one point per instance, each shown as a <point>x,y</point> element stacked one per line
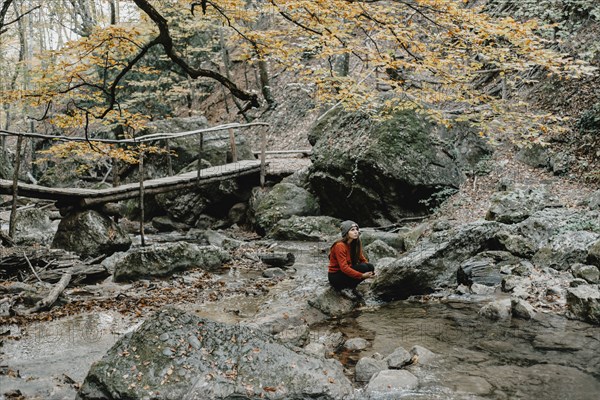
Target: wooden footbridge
<point>85,198</point>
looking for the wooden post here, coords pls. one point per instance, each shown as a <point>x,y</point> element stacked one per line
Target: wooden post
<point>234,156</point>
<point>263,149</point>
<point>15,189</point>
<point>141,173</point>
<point>200,154</point>
<point>169,161</point>
<point>115,172</point>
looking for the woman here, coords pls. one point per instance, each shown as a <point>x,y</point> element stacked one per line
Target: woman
<point>347,264</point>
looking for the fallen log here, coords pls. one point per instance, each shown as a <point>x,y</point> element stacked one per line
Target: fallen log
<point>49,300</point>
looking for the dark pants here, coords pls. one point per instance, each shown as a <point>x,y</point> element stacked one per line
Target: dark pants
<point>340,280</point>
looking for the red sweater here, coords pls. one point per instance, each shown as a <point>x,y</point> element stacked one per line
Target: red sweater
<point>339,259</point>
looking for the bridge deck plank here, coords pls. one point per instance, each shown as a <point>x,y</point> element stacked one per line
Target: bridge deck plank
<point>131,190</point>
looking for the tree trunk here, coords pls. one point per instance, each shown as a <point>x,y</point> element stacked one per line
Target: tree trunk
<point>265,87</point>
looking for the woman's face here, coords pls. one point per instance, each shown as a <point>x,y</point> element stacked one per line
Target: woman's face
<point>353,232</point>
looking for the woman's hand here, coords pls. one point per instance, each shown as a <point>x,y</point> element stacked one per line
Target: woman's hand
<point>367,275</point>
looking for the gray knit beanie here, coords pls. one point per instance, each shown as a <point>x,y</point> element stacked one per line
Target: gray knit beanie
<point>346,226</point>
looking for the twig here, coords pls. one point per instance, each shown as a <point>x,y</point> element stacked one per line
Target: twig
<point>49,300</point>
<point>31,266</point>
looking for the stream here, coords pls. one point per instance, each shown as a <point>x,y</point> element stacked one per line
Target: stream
<point>550,357</point>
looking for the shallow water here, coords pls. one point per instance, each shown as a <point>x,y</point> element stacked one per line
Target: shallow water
<point>549,358</point>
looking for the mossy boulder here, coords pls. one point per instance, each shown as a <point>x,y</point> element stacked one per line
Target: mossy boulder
<point>281,202</point>
<point>381,171</point>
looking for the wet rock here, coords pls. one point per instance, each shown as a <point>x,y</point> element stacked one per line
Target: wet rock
<point>90,234</point>
<point>273,273</point>
<point>430,265</point>
<point>377,250</point>
<point>281,202</point>
<point>233,361</point>
<point>280,260</point>
<point>523,268</point>
<point>565,249</point>
<point>496,310</point>
<point>583,302</point>
<point>398,359</point>
<point>332,303</point>
<point>423,355</point>
<point>588,272</point>
<point>33,226</point>
<point>296,336</point>
<point>366,367</point>
<point>521,309</point>
<point>332,341</point>
<point>164,259</point>
<point>473,385</point>
<point>390,384</point>
<point>356,344</point>
<point>307,229</point>
<point>517,205</point>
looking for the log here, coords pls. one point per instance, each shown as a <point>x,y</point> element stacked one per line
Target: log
<point>49,300</point>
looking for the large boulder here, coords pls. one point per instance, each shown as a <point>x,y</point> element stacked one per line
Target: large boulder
<point>380,171</point>
<point>33,226</point>
<point>431,264</point>
<point>583,302</point>
<point>166,258</point>
<point>90,234</point>
<point>515,206</point>
<point>175,355</point>
<point>565,250</point>
<point>281,202</point>
<point>309,229</point>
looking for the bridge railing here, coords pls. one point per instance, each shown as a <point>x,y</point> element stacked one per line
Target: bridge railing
<point>134,142</point>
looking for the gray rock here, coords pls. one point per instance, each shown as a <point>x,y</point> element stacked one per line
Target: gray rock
<point>412,236</point>
<point>332,303</point>
<point>237,213</point>
<point>233,361</point>
<point>593,256</point>
<point>391,384</point>
<point>318,349</point>
<point>535,155</point>
<point>496,310</point>
<point>565,249</point>
<point>515,206</point>
<point>484,268</point>
<point>588,272</point>
<point>90,234</point>
<point>296,336</point>
<point>166,224</point>
<point>398,359</point>
<point>478,288</point>
<point>281,202</point>
<point>423,355</point>
<point>307,229</point>
<point>356,344</point>
<point>33,226</point>
<point>583,302</point>
<point>577,282</point>
<point>399,165</point>
<point>522,309</point>
<point>393,239</point>
<point>594,201</point>
<point>366,367</point>
<point>164,259</point>
<point>377,250</point>
<point>273,273</point>
<point>429,265</point>
<point>517,245</point>
<point>473,385</point>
